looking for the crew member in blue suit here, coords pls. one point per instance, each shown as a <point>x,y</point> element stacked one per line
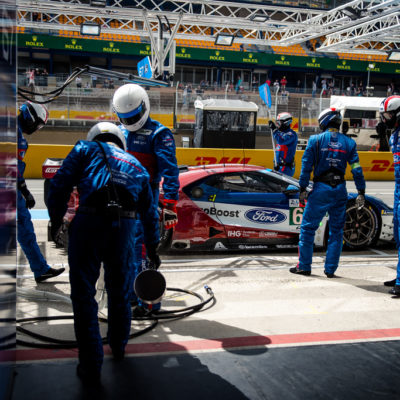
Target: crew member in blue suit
<point>154,146</point>
<point>285,143</point>
<point>113,187</point>
<point>327,154</point>
<point>390,118</point>
<point>31,117</point>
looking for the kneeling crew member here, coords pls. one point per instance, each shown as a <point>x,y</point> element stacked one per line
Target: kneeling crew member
<point>327,154</point>
<point>32,117</point>
<point>286,143</point>
<point>390,117</point>
<point>113,186</point>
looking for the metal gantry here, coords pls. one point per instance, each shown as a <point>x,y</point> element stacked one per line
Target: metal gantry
<point>367,26</point>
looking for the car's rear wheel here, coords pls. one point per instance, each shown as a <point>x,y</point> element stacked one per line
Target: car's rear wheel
<point>362,227</point>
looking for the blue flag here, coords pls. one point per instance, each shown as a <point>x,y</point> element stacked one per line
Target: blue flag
<point>265,94</point>
<point>144,68</point>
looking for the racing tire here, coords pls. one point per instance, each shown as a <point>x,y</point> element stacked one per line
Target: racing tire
<point>362,227</point>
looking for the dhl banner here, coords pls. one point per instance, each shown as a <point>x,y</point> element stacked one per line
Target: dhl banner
<point>377,166</point>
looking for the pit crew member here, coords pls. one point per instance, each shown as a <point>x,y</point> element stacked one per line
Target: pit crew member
<point>154,146</point>
<point>390,116</point>
<point>286,143</point>
<point>327,155</point>
<point>113,187</point>
<point>31,117</point>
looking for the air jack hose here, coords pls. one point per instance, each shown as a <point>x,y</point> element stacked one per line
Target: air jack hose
<point>53,343</point>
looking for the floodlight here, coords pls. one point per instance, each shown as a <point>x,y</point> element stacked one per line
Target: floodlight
<point>259,18</point>
<point>90,28</point>
<point>224,40</point>
<point>394,55</point>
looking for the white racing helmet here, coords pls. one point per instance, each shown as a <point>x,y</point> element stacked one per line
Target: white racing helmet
<point>132,106</point>
<point>284,120</point>
<point>107,132</point>
<point>390,111</point>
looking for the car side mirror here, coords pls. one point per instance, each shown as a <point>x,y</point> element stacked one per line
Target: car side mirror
<point>291,189</point>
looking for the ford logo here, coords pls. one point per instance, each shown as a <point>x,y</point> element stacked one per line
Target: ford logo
<point>265,216</point>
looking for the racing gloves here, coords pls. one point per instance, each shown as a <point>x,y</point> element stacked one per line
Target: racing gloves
<point>272,125</point>
<point>360,200</point>
<point>29,199</point>
<point>152,255</point>
<point>169,214</point>
<point>303,197</point>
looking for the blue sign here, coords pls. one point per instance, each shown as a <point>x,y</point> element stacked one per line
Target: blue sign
<point>265,94</point>
<point>144,68</point>
<point>265,216</point>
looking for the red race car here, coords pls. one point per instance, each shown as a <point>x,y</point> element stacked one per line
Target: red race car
<point>239,207</point>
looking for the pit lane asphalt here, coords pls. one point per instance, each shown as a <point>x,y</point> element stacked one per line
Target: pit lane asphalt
<point>270,335</point>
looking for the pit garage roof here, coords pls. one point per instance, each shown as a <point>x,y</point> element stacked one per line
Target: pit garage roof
<point>356,103</point>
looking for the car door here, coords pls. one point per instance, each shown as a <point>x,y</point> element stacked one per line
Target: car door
<point>253,205</point>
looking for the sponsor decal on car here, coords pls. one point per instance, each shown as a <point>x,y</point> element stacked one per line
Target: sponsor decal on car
<point>221,213</point>
<point>265,216</point>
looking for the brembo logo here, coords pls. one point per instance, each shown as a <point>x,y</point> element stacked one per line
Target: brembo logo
<point>265,216</point>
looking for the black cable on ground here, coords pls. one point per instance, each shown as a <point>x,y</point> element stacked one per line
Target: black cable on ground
<point>53,343</point>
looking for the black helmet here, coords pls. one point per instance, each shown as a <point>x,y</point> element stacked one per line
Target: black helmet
<point>330,118</point>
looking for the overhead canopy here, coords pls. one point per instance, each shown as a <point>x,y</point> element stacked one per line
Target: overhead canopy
<point>225,105</point>
<point>356,103</point>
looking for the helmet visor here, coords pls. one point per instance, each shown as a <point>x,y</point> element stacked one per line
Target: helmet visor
<point>387,116</point>
<point>133,116</point>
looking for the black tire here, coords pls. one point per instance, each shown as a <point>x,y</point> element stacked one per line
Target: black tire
<point>362,227</point>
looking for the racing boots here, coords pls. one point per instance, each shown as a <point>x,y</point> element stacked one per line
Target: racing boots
<point>329,274</point>
<point>298,271</point>
<point>51,273</point>
<point>395,290</point>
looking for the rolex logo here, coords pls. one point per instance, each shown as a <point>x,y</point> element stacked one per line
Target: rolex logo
<point>73,41</point>
<point>111,44</point>
<point>344,62</point>
<point>148,47</point>
<point>183,50</point>
<point>313,60</point>
<point>217,53</point>
<point>34,38</point>
<point>250,55</point>
<point>282,58</point>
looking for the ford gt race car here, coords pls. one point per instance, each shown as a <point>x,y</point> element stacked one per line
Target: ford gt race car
<point>239,207</point>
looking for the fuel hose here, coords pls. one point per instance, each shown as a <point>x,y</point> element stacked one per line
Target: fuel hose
<point>47,342</point>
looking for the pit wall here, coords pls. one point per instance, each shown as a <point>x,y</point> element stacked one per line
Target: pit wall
<point>376,165</point>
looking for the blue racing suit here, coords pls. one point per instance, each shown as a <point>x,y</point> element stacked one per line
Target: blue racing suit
<point>96,237</point>
<point>285,149</point>
<point>154,147</point>
<point>327,153</point>
<point>26,234</point>
<point>395,147</point>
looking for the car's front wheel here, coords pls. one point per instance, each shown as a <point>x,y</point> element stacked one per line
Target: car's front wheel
<point>362,227</point>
